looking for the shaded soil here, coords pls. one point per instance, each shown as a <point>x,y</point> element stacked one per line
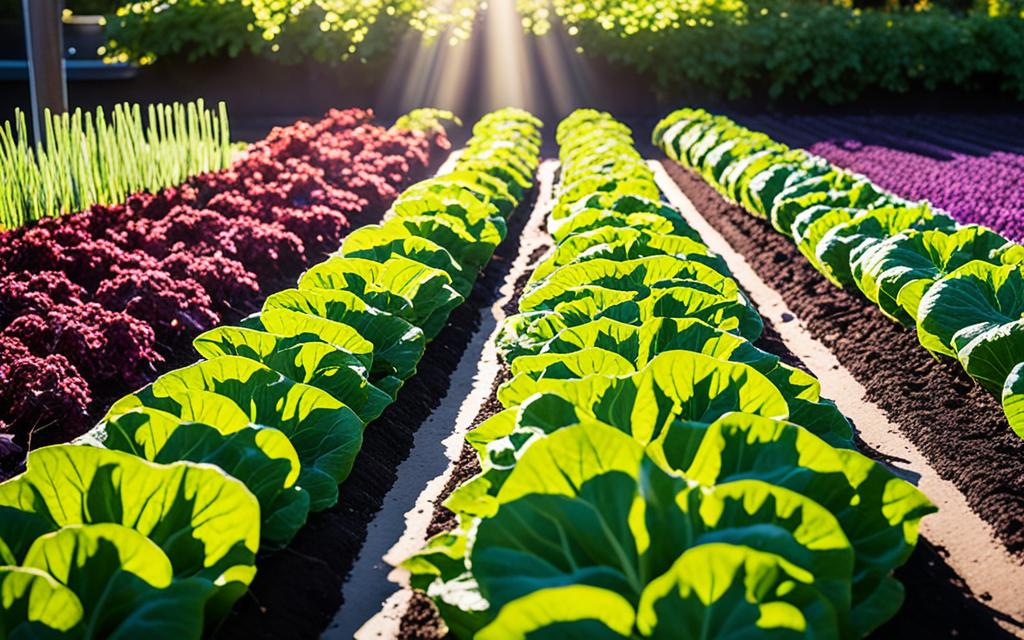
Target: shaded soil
<point>298,590</point>
<point>421,620</point>
<point>955,423</point>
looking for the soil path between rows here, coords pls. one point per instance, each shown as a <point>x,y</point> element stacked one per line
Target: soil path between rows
<point>376,596</point>
<point>924,418</point>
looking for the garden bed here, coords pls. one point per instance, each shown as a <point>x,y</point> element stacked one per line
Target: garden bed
<point>298,590</point>
<point>112,297</point>
<point>938,601</point>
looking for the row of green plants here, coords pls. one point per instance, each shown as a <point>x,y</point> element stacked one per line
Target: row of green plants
<point>961,287</point>
<point>654,473</point>
<point>766,49</point>
<point>87,158</point>
<point>149,525</point>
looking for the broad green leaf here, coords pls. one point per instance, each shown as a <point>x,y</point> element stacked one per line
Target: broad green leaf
<point>590,219</point>
<point>421,250</point>
<point>1013,399</point>
<point>785,523</point>
<point>206,522</point>
<point>548,540</point>
<point>191,405</point>
<point>839,246</point>
<point>911,257</point>
<point>460,183</point>
<point>577,525</point>
<point>617,182</point>
<point>497,426</point>
<point>471,243</point>
<point>640,275</point>
<point>34,605</point>
<point>624,244</point>
<point>470,205</point>
<point>152,434</point>
<point>572,612</point>
<point>579,453</point>
<point>991,355</point>
<point>293,324</point>
<point>468,201</point>
<point>673,125</point>
<point>813,224</point>
<point>763,187</point>
<point>675,386</point>
<point>261,457</point>
<point>734,179</point>
<point>720,163</point>
<point>398,285</point>
<point>641,343</point>
<point>529,371</point>
<point>326,434</point>
<point>124,582</point>
<point>528,332</point>
<point>502,442</point>
<point>835,189</point>
<point>397,345</point>
<point>725,592</point>
<point>303,359</point>
<point>879,512</point>
<point>974,299</point>
<point>726,311</point>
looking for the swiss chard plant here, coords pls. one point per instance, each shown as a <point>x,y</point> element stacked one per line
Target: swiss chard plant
<point>955,284</point>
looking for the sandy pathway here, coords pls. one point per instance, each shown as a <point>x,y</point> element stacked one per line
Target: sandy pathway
<point>974,552</point>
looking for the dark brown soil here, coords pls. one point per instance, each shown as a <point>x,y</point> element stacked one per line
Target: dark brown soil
<point>956,424</point>
<point>298,590</point>
<point>421,620</point>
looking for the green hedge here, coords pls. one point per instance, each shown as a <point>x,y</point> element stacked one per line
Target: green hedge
<point>829,53</point>
<point>708,50</point>
<point>286,31</point>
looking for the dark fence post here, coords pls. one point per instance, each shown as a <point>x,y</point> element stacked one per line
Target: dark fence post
<point>44,37</point>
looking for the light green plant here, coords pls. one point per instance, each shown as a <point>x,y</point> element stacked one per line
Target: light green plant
<point>87,158</point>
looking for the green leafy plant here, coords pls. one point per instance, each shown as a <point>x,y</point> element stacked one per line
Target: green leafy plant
<point>765,50</point>
<point>210,428</point>
<point>87,159</point>
<point>205,522</point>
<point>959,286</point>
<point>290,31</point>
